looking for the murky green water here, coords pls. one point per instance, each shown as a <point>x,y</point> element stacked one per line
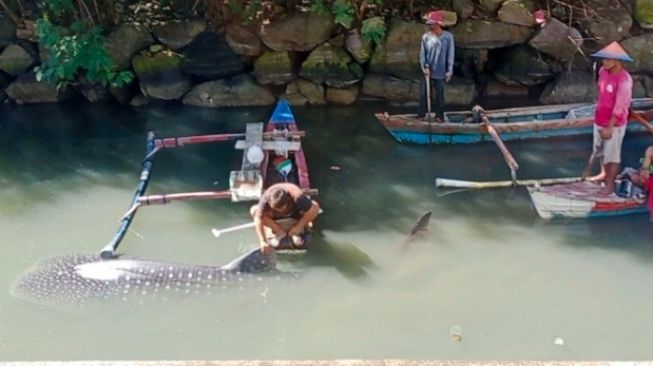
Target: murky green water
<point>513,283</point>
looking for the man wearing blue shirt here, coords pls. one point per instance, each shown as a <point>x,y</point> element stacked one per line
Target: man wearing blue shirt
<point>436,58</point>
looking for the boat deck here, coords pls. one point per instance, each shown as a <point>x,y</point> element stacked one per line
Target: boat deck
<point>581,199</point>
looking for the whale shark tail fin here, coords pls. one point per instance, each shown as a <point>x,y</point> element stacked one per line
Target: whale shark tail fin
<point>253,261</point>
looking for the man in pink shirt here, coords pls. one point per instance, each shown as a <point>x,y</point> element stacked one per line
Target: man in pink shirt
<point>614,96</point>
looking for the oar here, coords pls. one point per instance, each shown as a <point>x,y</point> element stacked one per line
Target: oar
<point>590,161</point>
<point>642,120</point>
<point>507,156</point>
<point>455,183</point>
<point>217,233</point>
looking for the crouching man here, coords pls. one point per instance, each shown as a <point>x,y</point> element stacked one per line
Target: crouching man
<point>280,201</point>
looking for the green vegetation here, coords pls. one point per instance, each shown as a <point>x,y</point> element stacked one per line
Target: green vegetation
<point>373,29</point>
<point>343,12</point>
<point>367,14</point>
<point>74,45</point>
<point>76,52</point>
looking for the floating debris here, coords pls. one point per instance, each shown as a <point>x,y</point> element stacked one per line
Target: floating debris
<point>335,168</point>
<point>559,342</point>
<point>456,333</point>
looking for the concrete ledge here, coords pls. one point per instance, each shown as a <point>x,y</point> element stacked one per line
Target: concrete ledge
<point>326,363</point>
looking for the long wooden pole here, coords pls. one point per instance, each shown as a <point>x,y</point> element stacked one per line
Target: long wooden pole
<point>163,199</point>
<point>427,76</point>
<point>507,156</point>
<point>201,139</point>
<point>455,183</point>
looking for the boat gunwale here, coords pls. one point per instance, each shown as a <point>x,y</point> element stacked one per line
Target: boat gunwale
<point>409,122</point>
<point>585,207</point>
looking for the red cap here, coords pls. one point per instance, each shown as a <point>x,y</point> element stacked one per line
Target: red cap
<point>435,17</point>
<point>539,16</point>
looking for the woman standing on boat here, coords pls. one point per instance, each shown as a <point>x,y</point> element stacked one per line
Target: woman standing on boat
<point>436,58</point>
<point>615,87</point>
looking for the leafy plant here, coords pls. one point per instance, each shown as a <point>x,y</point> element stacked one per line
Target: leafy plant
<point>76,49</point>
<point>344,12</point>
<point>319,7</point>
<point>373,30</point>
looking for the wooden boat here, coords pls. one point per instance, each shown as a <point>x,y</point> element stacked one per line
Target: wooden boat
<point>263,150</point>
<point>581,200</point>
<point>511,124</point>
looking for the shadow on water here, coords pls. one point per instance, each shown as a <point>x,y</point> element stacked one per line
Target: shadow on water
<point>347,258</point>
<point>67,147</point>
<point>380,184</point>
<point>631,234</point>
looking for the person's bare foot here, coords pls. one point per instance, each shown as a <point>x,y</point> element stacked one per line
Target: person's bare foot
<point>596,178</point>
<point>276,240</point>
<point>605,192</point>
<point>297,240</point>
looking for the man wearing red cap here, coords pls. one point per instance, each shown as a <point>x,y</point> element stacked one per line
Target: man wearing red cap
<point>436,58</point>
<point>615,88</point>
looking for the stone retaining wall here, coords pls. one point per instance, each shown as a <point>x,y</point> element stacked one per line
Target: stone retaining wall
<point>306,58</point>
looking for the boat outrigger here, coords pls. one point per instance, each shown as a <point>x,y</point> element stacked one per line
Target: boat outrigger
<point>512,124</point>
<point>270,156</point>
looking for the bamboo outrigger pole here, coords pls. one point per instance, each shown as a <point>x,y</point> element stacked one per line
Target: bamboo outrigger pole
<point>162,199</point>
<point>455,183</point>
<point>170,142</point>
<point>109,250</point>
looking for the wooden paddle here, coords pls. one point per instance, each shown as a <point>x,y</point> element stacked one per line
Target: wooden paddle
<point>590,162</point>
<point>507,156</point>
<point>641,120</point>
<point>218,232</point>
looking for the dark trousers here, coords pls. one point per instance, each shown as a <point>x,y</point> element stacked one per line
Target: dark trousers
<point>437,91</point>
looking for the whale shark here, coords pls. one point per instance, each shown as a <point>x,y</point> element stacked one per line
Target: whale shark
<point>75,279</point>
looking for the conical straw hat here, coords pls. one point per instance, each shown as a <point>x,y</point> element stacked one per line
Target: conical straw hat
<point>613,51</point>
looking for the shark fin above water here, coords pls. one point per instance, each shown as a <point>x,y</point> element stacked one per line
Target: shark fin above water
<point>421,225</point>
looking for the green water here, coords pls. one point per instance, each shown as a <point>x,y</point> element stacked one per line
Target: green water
<point>511,281</point>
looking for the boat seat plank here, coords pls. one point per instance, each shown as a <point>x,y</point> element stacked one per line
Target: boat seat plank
<point>253,136</point>
<point>245,185</point>
<point>271,145</point>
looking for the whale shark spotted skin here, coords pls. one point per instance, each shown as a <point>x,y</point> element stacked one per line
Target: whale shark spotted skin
<point>77,278</point>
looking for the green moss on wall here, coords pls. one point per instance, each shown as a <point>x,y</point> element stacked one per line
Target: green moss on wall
<point>644,11</point>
